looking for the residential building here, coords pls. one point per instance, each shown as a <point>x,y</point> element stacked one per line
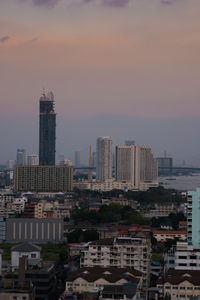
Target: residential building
<point>182,257</point>
<point>126,292</point>
<point>43,178</point>
<point>28,250</point>
<point>104,159</point>
<point>17,289</point>
<point>179,284</point>
<point>125,163</point>
<point>120,252</point>
<point>137,166</point>
<point>193,224</point>
<point>21,157</point>
<point>96,278</point>
<point>47,130</point>
<point>164,235</point>
<point>33,160</point>
<point>159,210</point>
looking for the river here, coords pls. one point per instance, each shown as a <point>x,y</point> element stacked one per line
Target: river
<point>181,183</point>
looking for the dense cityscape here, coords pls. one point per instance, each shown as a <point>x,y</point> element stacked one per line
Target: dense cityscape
<point>100,177</point>
<point>108,230</point>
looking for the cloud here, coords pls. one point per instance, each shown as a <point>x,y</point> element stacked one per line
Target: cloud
<point>34,40</point>
<point>107,3</point>
<point>115,3</point>
<point>4,39</point>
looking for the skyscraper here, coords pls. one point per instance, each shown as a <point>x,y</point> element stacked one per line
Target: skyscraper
<point>104,158</point>
<point>47,139</point>
<point>21,157</point>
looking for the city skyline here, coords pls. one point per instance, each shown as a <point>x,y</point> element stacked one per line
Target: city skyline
<point>139,68</point>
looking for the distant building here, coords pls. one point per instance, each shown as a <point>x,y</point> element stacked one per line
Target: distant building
<point>104,159</point>
<point>165,162</point>
<point>47,131</point>
<point>136,165</point>
<point>129,143</point>
<point>10,164</point>
<point>93,159</point>
<point>43,178</point>
<point>33,160</point>
<point>77,159</point>
<point>21,157</point>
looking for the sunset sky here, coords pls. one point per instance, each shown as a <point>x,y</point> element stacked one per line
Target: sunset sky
<point>125,68</point>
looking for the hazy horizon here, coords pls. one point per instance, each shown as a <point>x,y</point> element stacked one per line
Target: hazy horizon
<point>124,68</point>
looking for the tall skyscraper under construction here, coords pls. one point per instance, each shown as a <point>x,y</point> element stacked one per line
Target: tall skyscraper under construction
<point>47,139</point>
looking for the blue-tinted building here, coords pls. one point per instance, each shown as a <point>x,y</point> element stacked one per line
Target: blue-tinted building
<point>193,218</point>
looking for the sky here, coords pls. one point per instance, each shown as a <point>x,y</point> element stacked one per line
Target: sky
<point>125,68</point>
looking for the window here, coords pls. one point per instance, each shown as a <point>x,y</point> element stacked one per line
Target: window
<point>182,257</point>
<point>190,288</point>
<point>175,288</point>
<point>33,255</point>
<point>182,287</point>
<point>193,257</point>
<point>183,265</point>
<point>168,287</point>
<point>193,265</point>
<point>182,296</point>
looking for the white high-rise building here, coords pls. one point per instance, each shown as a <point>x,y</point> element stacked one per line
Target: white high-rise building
<point>104,158</point>
<point>33,160</point>
<point>136,165</point>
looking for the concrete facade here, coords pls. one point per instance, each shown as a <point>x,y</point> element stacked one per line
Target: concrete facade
<point>43,178</point>
<point>34,230</point>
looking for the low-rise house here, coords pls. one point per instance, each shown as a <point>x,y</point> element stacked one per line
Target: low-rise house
<point>28,250</point>
<point>164,235</point>
<point>95,278</point>
<point>179,284</point>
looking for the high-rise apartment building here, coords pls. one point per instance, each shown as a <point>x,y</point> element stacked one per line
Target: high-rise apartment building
<point>125,163</point>
<point>193,224</point>
<point>136,165</point>
<point>77,159</point>
<point>47,134</point>
<point>33,160</point>
<point>104,157</point>
<point>43,178</point>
